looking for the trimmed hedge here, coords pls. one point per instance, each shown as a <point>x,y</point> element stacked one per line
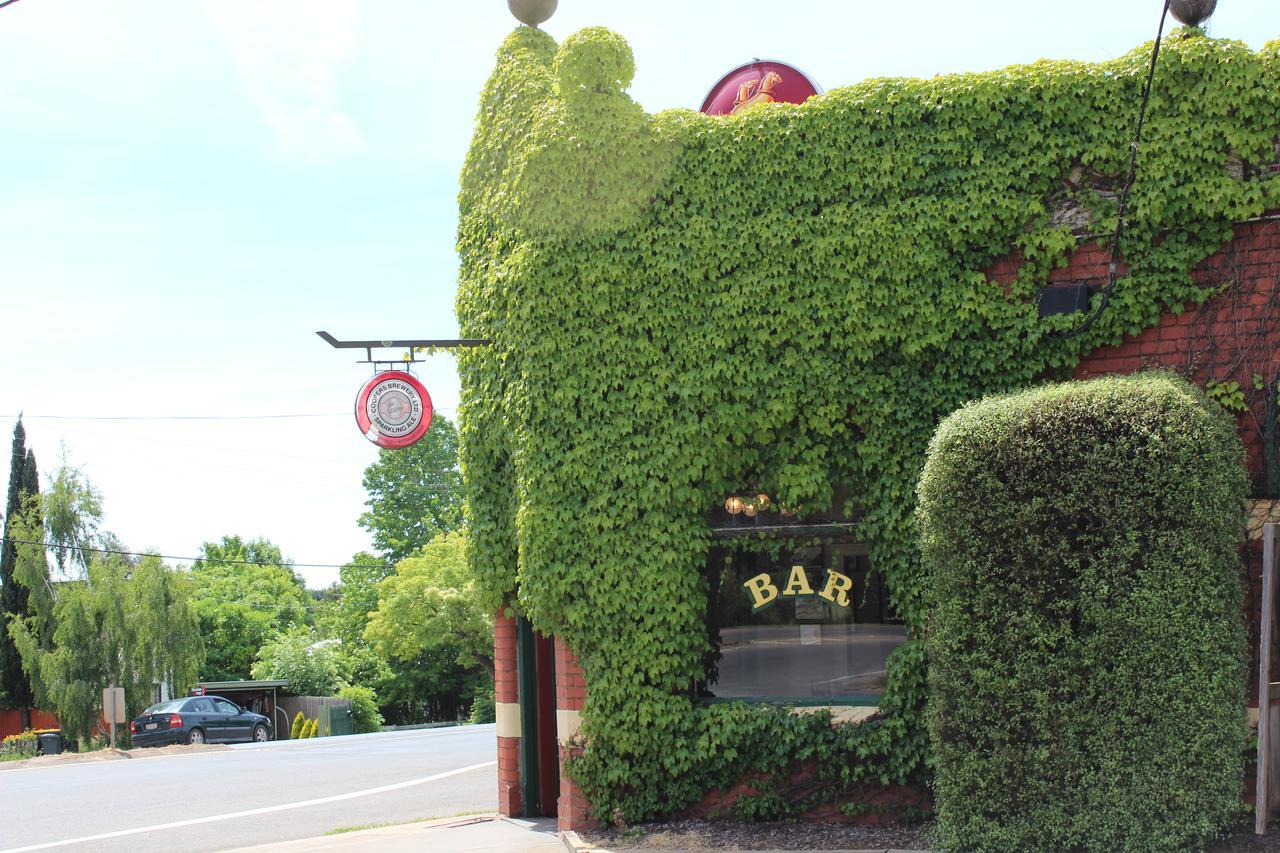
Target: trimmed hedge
<point>1087,657</point>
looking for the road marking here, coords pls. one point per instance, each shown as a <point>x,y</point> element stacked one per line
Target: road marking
<point>252,812</point>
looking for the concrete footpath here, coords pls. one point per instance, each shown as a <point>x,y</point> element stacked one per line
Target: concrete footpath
<point>475,834</point>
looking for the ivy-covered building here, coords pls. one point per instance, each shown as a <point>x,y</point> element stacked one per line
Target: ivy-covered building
<point>720,346</point>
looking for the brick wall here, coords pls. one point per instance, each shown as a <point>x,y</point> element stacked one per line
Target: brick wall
<point>506,689</point>
<point>573,810</point>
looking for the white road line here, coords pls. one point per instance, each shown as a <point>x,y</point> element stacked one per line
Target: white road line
<point>251,812</point>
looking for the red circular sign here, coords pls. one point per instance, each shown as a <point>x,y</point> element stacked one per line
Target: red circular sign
<point>393,409</point>
<point>759,82</point>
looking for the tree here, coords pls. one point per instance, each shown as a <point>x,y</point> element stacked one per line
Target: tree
<point>244,593</point>
<point>414,493</point>
<point>72,513</point>
<point>364,709</point>
<point>24,486</point>
<point>428,620</point>
<point>310,664</point>
<point>128,623</point>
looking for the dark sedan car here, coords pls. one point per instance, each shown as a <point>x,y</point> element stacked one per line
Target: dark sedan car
<point>198,719</point>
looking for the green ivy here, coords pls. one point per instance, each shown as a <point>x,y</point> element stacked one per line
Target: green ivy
<point>686,307</point>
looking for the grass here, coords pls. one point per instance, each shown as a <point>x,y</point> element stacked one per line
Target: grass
<point>363,826</point>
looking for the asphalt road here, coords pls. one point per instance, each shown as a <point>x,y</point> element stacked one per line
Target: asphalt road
<point>298,789</point>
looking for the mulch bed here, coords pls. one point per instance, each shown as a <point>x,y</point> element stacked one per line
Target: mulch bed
<point>732,835</point>
<point>698,835</point>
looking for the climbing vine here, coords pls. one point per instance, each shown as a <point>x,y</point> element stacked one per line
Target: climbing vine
<point>685,307</point>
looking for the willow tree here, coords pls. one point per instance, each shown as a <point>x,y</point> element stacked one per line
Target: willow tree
<point>129,624</point>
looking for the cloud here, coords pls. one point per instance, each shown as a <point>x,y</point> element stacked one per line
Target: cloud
<point>290,55</point>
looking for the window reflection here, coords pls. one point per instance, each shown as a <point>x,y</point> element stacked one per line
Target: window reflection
<point>798,645</point>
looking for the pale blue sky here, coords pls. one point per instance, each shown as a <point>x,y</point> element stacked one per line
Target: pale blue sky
<point>189,190</point>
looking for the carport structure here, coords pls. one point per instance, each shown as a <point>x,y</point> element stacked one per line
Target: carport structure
<point>261,697</point>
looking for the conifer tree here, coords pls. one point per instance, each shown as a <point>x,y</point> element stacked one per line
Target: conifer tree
<point>24,481</point>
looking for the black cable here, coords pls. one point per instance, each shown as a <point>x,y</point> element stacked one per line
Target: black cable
<point>7,3</point>
<point>208,560</point>
<point>1124,191</point>
<point>174,417</point>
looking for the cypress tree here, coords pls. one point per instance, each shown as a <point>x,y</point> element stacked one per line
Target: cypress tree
<point>15,687</point>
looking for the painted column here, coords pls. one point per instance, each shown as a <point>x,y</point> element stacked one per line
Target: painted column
<point>507,707</point>
<point>571,694</point>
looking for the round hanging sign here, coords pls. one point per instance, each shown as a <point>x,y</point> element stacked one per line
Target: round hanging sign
<point>393,409</point>
<point>763,81</point>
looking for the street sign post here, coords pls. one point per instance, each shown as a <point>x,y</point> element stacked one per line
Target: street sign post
<point>113,709</point>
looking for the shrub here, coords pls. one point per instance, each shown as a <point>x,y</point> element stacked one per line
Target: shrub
<point>311,727</point>
<point>1087,661</point>
<point>18,746</point>
<point>364,709</point>
<point>299,722</point>
<point>482,705</point>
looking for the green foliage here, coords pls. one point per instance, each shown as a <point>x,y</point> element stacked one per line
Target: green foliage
<point>686,307</point>
<point>299,721</point>
<point>24,486</point>
<point>128,623</point>
<point>414,493</point>
<point>430,603</point>
<point>1228,395</point>
<point>241,606</point>
<point>1087,659</point>
<point>364,709</point>
<point>483,706</point>
<point>431,629</point>
<point>72,513</point>
<point>310,664</point>
<point>309,729</point>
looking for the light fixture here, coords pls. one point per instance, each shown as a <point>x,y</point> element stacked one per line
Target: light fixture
<point>735,505</point>
<point>1192,12</point>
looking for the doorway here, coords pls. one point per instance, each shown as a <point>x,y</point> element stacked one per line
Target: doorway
<point>539,748</point>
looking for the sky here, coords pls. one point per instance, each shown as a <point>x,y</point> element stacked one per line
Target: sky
<point>189,191</point>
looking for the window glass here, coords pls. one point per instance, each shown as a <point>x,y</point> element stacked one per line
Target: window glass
<point>811,623</point>
<point>225,707</point>
<point>200,706</point>
<point>165,707</point>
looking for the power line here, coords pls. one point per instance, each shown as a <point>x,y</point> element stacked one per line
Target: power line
<point>194,417</point>
<point>1112,274</point>
<point>284,564</point>
<point>178,417</point>
<point>7,3</point>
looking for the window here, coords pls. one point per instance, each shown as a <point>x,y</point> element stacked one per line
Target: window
<point>225,707</point>
<point>813,624</point>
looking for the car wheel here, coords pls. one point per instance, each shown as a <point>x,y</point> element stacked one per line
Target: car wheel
<point>259,734</point>
<point>195,736</point>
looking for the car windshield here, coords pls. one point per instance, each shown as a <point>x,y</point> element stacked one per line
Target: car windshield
<point>164,707</point>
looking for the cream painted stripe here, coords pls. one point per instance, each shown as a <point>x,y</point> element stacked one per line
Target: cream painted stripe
<point>251,812</point>
<point>507,718</point>
<point>567,724</point>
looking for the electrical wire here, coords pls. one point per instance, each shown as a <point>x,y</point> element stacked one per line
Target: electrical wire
<point>196,417</point>
<point>7,3</point>
<point>178,417</point>
<point>56,546</point>
<point>1112,275</point>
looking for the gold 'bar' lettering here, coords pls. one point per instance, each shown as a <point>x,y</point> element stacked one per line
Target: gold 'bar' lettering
<point>797,583</point>
<point>761,590</point>
<point>837,588</point>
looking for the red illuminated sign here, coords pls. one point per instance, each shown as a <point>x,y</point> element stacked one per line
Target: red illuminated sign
<point>393,409</point>
<point>759,82</point>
